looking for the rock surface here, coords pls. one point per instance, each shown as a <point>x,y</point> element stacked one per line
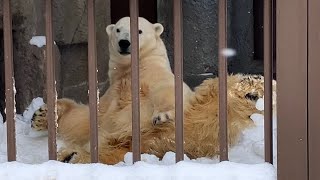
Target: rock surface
<point>70,35</point>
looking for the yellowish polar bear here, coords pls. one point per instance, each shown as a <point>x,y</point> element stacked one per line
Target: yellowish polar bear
<point>157,105</point>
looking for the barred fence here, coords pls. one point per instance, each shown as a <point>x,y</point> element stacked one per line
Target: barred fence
<point>295,24</point>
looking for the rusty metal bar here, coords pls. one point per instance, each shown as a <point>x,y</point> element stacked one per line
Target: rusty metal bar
<point>92,73</point>
<point>223,130</point>
<point>178,72</point>
<point>9,80</point>
<point>51,89</point>
<point>135,88</point>
<point>267,39</point>
<point>292,91</point>
<point>313,89</point>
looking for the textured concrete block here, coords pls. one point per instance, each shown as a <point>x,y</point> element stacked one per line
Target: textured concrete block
<point>200,37</point>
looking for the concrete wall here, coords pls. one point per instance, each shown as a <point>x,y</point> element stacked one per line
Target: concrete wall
<point>70,27</point>
<point>200,32</point>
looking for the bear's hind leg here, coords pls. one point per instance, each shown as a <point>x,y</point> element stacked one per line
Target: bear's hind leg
<point>39,119</point>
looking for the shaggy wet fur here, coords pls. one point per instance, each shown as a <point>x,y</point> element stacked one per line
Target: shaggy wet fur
<point>200,122</point>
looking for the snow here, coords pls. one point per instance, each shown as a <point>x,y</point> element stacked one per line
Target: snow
<point>141,170</point>
<point>38,41</point>
<point>35,105</point>
<point>260,104</point>
<point>29,143</point>
<point>246,158</point>
<point>206,74</point>
<point>228,52</point>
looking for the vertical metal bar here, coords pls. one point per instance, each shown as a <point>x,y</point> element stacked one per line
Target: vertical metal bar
<point>223,125</point>
<point>178,72</point>
<point>267,31</point>
<point>92,73</point>
<point>9,84</point>
<point>135,88</point>
<point>51,89</point>
<point>313,88</point>
<point>292,104</point>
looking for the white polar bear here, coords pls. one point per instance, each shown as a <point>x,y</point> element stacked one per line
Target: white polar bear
<point>201,123</point>
<point>156,91</point>
<point>155,70</point>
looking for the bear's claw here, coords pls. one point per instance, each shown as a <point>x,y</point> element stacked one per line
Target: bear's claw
<point>162,117</point>
<point>68,158</point>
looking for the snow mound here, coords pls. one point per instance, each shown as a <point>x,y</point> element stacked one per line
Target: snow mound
<point>39,41</point>
<point>138,171</point>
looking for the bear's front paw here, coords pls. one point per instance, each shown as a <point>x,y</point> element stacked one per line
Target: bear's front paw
<point>162,117</point>
<point>73,156</point>
<point>39,121</point>
<point>65,155</point>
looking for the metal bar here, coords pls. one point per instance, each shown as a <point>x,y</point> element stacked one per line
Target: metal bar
<point>135,88</point>
<point>292,44</point>
<point>267,32</point>
<point>223,125</point>
<point>9,80</point>
<point>178,72</point>
<point>92,73</point>
<point>51,89</point>
<point>313,88</point>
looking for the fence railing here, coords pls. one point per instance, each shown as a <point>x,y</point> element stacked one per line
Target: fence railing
<point>268,51</point>
<point>178,71</point>
<point>223,124</point>
<point>9,80</point>
<point>50,82</point>
<point>93,94</point>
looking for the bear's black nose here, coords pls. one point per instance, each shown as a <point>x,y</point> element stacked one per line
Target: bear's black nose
<point>124,44</point>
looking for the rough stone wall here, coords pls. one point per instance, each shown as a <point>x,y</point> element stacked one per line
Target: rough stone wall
<point>70,27</point>
<point>70,35</point>
<point>200,38</point>
<point>241,38</point>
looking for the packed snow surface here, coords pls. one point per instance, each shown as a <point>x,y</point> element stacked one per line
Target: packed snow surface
<point>246,159</point>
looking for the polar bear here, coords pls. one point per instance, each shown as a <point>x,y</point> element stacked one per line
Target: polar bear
<point>157,105</point>
<point>155,70</point>
<point>114,117</point>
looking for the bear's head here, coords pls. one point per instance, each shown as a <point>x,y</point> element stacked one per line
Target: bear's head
<point>120,39</point>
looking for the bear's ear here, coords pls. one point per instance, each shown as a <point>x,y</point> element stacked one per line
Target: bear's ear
<point>158,28</point>
<point>109,29</point>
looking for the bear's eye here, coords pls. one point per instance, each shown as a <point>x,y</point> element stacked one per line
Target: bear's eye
<point>140,32</point>
<point>118,30</point>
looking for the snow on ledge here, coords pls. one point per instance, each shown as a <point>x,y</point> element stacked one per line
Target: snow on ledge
<point>39,41</point>
<point>140,170</point>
